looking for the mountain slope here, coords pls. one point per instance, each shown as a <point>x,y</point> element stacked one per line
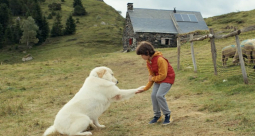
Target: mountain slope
<point>238,19</point>
<point>101,30</point>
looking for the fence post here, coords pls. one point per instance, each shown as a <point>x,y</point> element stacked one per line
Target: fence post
<point>179,52</point>
<point>214,53</point>
<point>193,54</point>
<point>241,60</point>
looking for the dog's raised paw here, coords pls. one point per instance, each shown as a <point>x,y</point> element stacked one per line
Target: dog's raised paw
<point>141,87</point>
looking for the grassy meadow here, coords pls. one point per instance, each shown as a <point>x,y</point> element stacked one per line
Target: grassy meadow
<point>32,92</point>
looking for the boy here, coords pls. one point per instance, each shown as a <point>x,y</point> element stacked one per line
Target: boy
<point>162,75</point>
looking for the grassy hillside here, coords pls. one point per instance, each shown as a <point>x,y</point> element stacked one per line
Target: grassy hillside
<point>31,93</point>
<point>234,19</point>
<point>101,30</point>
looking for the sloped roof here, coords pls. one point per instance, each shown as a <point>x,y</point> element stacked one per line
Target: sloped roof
<point>160,21</point>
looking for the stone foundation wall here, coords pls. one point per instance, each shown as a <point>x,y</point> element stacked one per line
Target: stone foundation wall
<point>156,39</point>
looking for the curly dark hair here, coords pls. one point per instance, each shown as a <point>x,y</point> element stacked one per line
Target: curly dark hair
<point>145,48</point>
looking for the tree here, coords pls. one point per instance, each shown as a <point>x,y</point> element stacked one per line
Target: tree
<point>57,27</point>
<point>4,1</point>
<point>8,35</point>
<point>54,6</point>
<point>70,26</point>
<point>16,7</point>
<point>49,16</point>
<point>79,11</point>
<point>36,13</point>
<point>1,36</point>
<point>29,28</point>
<point>43,31</point>
<point>77,2</point>
<point>42,0</point>
<point>5,15</point>
<point>17,32</point>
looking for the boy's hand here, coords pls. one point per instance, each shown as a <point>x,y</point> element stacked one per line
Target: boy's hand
<point>139,91</point>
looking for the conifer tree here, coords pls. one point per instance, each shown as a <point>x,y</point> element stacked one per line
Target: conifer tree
<point>57,27</point>
<point>36,13</point>
<point>17,32</point>
<point>16,7</point>
<point>5,15</point>
<point>29,28</point>
<point>70,26</point>
<point>8,35</point>
<point>79,10</point>
<point>43,31</point>
<point>4,1</point>
<point>77,2</point>
<point>1,36</point>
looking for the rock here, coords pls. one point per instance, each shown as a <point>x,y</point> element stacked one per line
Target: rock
<point>27,58</point>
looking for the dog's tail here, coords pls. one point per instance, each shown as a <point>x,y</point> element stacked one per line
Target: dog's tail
<point>50,130</point>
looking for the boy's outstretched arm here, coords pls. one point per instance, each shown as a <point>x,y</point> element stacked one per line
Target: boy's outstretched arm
<point>147,87</point>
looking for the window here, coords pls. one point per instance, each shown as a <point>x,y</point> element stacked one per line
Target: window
<point>166,41</point>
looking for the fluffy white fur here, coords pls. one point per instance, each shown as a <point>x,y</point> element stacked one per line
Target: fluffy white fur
<point>97,93</point>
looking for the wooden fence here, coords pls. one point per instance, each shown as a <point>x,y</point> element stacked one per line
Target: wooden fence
<point>212,37</point>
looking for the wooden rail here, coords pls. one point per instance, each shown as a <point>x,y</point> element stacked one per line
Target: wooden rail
<point>212,37</point>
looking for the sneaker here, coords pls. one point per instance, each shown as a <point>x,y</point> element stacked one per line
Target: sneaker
<point>154,120</point>
<point>168,119</point>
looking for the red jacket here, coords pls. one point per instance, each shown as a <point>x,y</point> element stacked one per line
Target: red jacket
<point>154,68</point>
<point>160,69</point>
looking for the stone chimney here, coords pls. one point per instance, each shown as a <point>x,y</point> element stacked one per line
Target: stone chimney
<point>130,6</point>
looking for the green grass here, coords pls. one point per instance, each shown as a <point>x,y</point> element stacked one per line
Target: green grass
<point>34,91</point>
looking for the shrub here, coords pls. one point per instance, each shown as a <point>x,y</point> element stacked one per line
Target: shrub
<point>240,21</point>
<point>77,20</point>
<point>54,6</point>
<point>49,16</point>
<point>53,13</point>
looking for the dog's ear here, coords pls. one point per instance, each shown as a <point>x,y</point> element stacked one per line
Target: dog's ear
<point>101,73</point>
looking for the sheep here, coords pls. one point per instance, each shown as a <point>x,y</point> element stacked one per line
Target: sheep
<point>227,52</point>
<point>248,50</point>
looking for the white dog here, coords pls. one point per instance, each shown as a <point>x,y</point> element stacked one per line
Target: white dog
<point>97,93</point>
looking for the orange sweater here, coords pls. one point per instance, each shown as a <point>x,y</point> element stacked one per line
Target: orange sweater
<point>162,70</point>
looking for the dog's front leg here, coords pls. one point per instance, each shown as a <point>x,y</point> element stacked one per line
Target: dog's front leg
<point>92,124</point>
<point>97,123</point>
<point>125,94</point>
